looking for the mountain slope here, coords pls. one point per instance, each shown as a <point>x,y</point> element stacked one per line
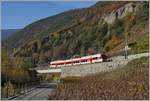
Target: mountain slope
<point>52,24</point>
<point>5,33</point>
<point>99,28</point>
<point>39,28</point>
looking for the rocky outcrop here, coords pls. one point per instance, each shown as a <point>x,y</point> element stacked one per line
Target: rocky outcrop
<point>121,12</point>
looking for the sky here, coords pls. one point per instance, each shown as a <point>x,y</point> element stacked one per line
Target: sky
<point>16,15</point>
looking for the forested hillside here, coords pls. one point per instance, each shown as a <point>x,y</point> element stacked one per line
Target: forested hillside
<point>99,28</point>
<point>5,33</point>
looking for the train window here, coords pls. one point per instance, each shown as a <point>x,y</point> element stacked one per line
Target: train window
<point>77,61</point>
<point>83,60</point>
<point>69,63</point>
<point>95,58</point>
<point>103,56</point>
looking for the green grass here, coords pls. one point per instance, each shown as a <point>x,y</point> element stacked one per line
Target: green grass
<point>141,46</point>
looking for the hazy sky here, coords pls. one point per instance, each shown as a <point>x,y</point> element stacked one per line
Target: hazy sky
<point>17,14</point>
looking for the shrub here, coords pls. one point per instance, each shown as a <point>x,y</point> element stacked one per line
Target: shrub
<point>8,89</point>
<point>141,46</point>
<point>143,13</point>
<point>117,27</point>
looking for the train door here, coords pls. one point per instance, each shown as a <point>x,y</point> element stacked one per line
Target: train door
<point>91,59</point>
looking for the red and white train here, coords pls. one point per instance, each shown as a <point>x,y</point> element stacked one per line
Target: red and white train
<point>77,61</point>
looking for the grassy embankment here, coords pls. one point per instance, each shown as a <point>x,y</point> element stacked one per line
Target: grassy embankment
<point>130,82</point>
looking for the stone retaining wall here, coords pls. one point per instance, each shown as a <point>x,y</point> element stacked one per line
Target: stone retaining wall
<point>86,69</point>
